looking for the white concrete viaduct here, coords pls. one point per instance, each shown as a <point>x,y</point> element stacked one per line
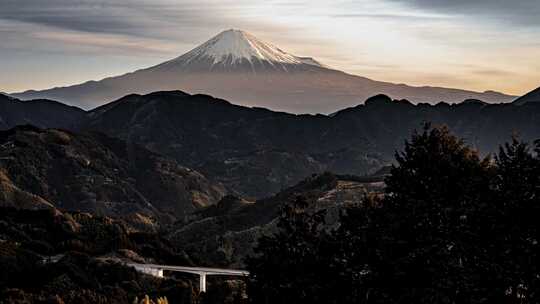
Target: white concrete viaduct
<point>202,272</point>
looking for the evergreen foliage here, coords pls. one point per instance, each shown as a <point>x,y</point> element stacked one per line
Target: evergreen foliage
<point>451,228</point>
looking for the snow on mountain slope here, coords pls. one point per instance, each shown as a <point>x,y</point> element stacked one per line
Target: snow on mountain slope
<point>235,48</point>
<point>239,44</point>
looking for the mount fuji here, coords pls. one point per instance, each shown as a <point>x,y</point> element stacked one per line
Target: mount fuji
<point>235,50</point>
<point>237,66</point>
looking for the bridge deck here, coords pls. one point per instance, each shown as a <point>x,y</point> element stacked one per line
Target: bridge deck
<point>196,270</point>
<point>202,272</point>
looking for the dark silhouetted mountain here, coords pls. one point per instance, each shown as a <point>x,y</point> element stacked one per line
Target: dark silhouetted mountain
<point>257,152</point>
<point>483,126</point>
<point>533,96</point>
<point>95,173</point>
<point>41,113</point>
<point>237,66</point>
<point>254,152</point>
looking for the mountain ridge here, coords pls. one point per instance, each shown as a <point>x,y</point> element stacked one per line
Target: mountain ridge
<point>532,96</point>
<point>255,152</point>
<point>39,112</point>
<point>246,148</point>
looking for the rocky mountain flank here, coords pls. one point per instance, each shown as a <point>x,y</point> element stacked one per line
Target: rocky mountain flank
<point>226,233</point>
<point>94,173</point>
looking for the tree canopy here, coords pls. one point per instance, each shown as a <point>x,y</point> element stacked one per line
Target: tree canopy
<point>452,227</point>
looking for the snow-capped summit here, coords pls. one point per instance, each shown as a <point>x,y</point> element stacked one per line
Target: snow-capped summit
<point>235,45</point>
<point>239,50</point>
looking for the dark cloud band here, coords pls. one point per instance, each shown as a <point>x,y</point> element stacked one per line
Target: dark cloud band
<point>147,18</point>
<point>520,13</point>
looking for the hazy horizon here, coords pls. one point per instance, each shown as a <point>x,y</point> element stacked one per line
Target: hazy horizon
<point>474,45</point>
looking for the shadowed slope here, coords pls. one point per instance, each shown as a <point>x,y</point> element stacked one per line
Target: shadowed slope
<point>41,113</point>
<point>98,174</point>
<point>533,96</point>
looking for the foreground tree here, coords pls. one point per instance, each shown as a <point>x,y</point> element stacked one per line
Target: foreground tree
<point>426,229</point>
<point>513,234</point>
<point>452,228</point>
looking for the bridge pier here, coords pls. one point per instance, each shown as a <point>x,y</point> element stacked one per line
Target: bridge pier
<point>202,282</point>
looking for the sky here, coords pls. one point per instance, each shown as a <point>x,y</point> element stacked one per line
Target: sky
<point>471,44</point>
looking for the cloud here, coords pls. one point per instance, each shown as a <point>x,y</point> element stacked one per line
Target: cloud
<point>73,15</point>
<point>394,17</point>
<point>110,43</point>
<point>40,40</point>
<point>181,22</point>
<point>493,72</point>
<point>141,18</point>
<point>517,13</point>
